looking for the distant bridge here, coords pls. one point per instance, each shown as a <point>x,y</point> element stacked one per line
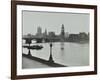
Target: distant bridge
<point>41,39</point>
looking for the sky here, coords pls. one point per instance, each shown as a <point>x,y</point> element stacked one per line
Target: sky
<point>52,21</point>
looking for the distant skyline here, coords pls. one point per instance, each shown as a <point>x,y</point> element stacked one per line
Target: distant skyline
<point>73,22</point>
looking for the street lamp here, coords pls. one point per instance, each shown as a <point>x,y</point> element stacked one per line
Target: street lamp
<point>29,41</point>
<point>51,58</point>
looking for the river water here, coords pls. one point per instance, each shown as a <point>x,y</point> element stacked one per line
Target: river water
<point>66,53</point>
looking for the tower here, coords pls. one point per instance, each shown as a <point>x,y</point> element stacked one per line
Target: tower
<point>39,31</point>
<point>45,33</point>
<point>62,31</point>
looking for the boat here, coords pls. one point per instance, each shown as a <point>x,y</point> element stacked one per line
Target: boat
<point>37,47</point>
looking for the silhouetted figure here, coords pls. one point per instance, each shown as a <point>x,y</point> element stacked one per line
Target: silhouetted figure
<point>51,58</point>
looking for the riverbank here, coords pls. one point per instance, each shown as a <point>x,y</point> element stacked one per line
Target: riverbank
<point>41,61</point>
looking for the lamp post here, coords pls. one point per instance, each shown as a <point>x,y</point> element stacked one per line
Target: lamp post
<point>29,41</point>
<point>51,58</point>
<point>29,52</point>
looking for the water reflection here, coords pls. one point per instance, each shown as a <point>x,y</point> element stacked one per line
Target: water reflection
<point>69,54</point>
<point>62,46</point>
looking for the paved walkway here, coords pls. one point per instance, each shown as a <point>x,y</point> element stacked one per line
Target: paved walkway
<point>29,63</point>
<point>34,62</point>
